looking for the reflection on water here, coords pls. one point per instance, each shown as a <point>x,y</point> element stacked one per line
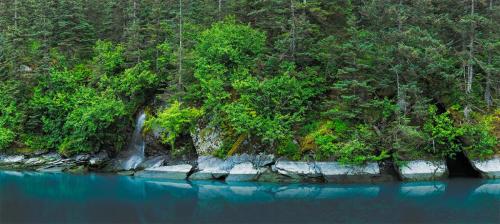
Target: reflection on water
<point>48,198</point>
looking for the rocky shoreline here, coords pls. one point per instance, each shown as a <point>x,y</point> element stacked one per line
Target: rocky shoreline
<point>245,167</point>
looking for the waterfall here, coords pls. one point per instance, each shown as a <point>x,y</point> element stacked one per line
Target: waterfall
<point>135,151</point>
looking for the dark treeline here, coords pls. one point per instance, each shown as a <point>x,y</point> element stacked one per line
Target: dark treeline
<point>354,81</point>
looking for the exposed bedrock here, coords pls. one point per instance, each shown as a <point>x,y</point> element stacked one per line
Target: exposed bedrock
<point>418,170</point>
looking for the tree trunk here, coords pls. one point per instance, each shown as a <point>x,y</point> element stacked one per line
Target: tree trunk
<point>293,35</point>
<point>487,93</point>
<point>179,81</point>
<point>15,14</point>
<point>470,63</point>
<point>220,9</point>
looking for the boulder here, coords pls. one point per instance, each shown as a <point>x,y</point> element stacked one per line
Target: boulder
<point>98,159</point>
<point>210,167</point>
<point>336,172</point>
<point>206,140</point>
<point>489,168</point>
<point>297,170</point>
<point>153,162</point>
<point>78,169</point>
<point>53,169</point>
<point>262,160</point>
<point>166,172</point>
<point>12,159</point>
<point>82,158</point>
<point>243,172</point>
<point>35,161</point>
<point>423,170</point>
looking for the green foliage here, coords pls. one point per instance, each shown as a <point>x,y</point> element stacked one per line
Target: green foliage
<point>348,145</point>
<point>173,122</point>
<point>443,133</point>
<point>289,149</point>
<point>480,139</point>
<point>108,56</point>
<point>135,80</point>
<point>10,116</point>
<point>347,80</point>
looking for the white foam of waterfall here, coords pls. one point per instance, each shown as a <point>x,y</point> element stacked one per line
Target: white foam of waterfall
<point>135,152</point>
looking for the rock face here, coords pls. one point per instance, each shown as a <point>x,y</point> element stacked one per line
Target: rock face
<point>210,167</point>
<point>243,172</point>
<point>152,162</point>
<point>297,170</point>
<point>179,172</point>
<point>423,170</point>
<point>206,140</point>
<point>11,159</point>
<point>488,168</point>
<point>99,159</point>
<point>336,172</point>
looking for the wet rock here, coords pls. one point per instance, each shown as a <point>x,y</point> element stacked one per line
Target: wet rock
<point>243,172</point>
<point>166,172</point>
<point>98,159</point>
<point>206,140</point>
<point>339,173</point>
<point>126,173</point>
<point>152,162</point>
<point>78,169</point>
<point>423,170</point>
<point>489,168</point>
<point>35,161</point>
<point>54,169</point>
<point>210,167</point>
<point>297,170</point>
<point>82,158</point>
<point>262,160</point>
<point>51,157</point>
<point>12,159</point>
<point>237,159</point>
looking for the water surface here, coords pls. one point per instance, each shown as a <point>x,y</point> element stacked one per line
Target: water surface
<point>30,197</point>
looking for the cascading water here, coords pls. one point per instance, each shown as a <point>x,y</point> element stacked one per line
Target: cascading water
<point>135,152</point>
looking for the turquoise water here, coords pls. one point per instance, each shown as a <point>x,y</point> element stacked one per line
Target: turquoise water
<point>29,197</point>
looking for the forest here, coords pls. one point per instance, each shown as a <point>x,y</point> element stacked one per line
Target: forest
<point>354,81</point>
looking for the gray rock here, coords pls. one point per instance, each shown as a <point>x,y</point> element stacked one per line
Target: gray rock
<point>54,169</point>
<point>237,159</point>
<point>12,159</point>
<point>206,140</point>
<point>51,156</point>
<point>35,161</point>
<point>82,158</point>
<point>210,167</point>
<point>262,160</point>
<point>336,172</point>
<point>296,170</point>
<point>489,168</point>
<point>98,159</point>
<point>166,172</point>
<point>78,169</point>
<point>152,162</point>
<point>423,170</point>
<point>243,172</point>
<point>126,173</point>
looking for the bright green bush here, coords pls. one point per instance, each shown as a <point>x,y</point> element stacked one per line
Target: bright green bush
<point>11,116</point>
<point>339,141</point>
<point>173,122</point>
<point>444,134</point>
